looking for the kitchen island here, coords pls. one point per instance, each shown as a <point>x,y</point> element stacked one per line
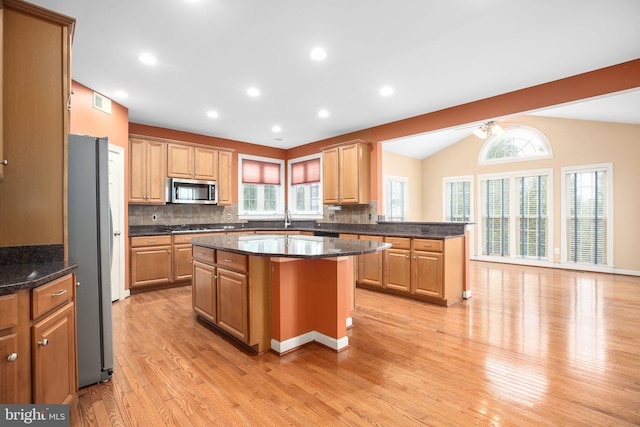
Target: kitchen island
<point>277,292</point>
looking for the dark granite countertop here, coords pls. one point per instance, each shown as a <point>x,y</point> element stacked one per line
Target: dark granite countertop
<point>426,230</point>
<point>290,245</point>
<point>26,276</point>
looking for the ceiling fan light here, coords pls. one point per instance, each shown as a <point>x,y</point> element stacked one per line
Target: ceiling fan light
<point>481,132</point>
<point>496,129</point>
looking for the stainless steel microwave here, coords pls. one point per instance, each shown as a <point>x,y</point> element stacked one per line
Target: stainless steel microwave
<point>192,191</point>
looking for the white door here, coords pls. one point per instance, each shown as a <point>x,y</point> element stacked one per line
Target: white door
<point>116,204</point>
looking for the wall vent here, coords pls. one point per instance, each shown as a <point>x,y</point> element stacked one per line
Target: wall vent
<point>101,103</point>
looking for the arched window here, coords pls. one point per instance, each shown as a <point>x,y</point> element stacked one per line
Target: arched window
<point>515,144</point>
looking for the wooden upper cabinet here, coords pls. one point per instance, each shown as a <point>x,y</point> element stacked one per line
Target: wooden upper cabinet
<point>147,171</point>
<point>346,173</point>
<point>224,177</point>
<point>206,164</point>
<point>180,161</point>
<point>192,162</point>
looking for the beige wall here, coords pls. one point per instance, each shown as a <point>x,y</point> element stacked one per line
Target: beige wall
<point>574,143</point>
<point>410,168</point>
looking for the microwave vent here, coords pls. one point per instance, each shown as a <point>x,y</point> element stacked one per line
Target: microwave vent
<point>101,102</point>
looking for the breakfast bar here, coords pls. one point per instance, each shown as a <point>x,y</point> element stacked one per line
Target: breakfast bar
<point>278,291</point>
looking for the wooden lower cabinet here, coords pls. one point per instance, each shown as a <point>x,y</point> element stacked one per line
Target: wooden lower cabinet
<point>204,290</point>
<point>150,266</point>
<point>232,303</point>
<point>182,267</point>
<point>53,348</point>
<point>398,270</point>
<point>9,368</point>
<point>427,274</point>
<point>370,265</point>
<point>232,292</point>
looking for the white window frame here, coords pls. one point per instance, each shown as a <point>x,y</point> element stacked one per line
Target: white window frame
<point>513,209</point>
<point>608,167</point>
<point>405,195</point>
<point>291,202</point>
<point>482,160</point>
<point>279,213</point>
<point>445,203</point>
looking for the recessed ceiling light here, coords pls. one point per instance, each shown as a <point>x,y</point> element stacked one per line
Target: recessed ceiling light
<point>318,54</point>
<point>253,92</point>
<point>212,114</point>
<point>147,59</point>
<point>323,113</point>
<point>276,128</point>
<point>120,94</point>
<point>386,91</point>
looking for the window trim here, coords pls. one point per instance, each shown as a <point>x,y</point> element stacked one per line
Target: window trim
<point>279,214</point>
<point>513,208</point>
<point>291,193</point>
<point>405,196</point>
<point>608,167</point>
<point>482,160</point>
<point>452,179</point>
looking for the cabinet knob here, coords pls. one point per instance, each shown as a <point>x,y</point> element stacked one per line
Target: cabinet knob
<point>215,276</point>
<point>406,256</point>
<point>12,357</point>
<point>168,251</point>
<point>77,284</point>
<point>4,162</point>
<point>44,342</point>
<point>414,257</point>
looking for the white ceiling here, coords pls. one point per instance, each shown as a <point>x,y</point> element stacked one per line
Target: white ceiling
<point>435,54</point>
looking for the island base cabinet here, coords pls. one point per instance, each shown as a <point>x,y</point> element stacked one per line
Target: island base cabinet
<point>232,301</point>
<point>204,290</point>
<point>53,349</point>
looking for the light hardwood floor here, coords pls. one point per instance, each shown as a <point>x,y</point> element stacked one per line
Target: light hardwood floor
<point>533,346</point>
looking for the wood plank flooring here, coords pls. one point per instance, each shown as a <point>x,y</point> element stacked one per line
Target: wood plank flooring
<point>532,347</point>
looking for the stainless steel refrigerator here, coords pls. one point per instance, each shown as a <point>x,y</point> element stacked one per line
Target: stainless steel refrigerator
<point>90,246</point>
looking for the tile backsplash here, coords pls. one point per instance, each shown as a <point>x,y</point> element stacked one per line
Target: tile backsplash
<point>352,214</point>
<point>175,214</point>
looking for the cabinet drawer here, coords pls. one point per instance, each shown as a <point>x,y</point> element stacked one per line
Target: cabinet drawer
<point>142,241</point>
<point>398,242</point>
<point>207,255</point>
<point>53,294</point>
<point>232,261</point>
<point>186,238</point>
<point>8,311</point>
<point>427,245</point>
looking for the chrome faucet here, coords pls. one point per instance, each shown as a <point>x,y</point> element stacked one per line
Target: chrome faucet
<point>287,218</point>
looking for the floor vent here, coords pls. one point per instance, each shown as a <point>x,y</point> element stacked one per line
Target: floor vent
<point>101,103</point>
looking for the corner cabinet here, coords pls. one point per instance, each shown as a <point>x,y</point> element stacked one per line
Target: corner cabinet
<point>147,160</point>
<point>346,173</point>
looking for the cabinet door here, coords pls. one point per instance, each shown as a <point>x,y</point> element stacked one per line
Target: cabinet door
<point>53,347</point>
<point>370,265</point>
<point>206,164</point>
<point>180,161</point>
<point>398,270</point>
<point>348,174</point>
<point>150,266</point>
<point>233,303</point>
<point>204,290</point>
<point>9,368</point>
<point>224,177</point>
<point>137,171</point>
<point>182,267</point>
<point>427,274</point>
<point>330,190</point>
<point>156,175</point>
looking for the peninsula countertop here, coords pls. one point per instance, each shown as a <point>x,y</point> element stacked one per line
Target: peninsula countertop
<point>290,245</point>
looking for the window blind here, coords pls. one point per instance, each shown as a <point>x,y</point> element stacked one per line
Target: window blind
<point>256,172</point>
<point>305,172</point>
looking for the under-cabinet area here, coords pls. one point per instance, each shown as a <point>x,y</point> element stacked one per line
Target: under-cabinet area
<point>38,344</point>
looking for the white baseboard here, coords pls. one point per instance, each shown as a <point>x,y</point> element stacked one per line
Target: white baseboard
<point>300,340</point>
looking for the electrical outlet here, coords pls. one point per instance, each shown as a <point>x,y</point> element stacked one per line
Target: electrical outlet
<point>369,217</point>
<point>228,216</point>
<point>332,217</point>
<point>154,217</point>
